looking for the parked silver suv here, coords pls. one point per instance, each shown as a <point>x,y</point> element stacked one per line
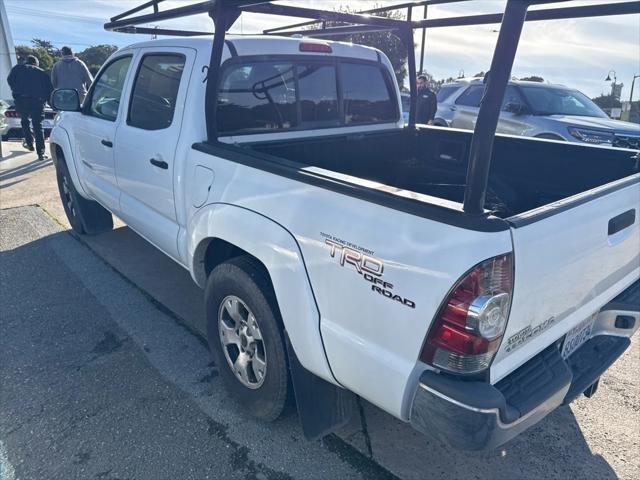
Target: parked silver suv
<point>539,110</point>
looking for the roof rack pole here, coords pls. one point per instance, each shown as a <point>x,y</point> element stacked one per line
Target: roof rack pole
<point>223,17</point>
<point>407,35</point>
<point>496,80</point>
<point>424,36</point>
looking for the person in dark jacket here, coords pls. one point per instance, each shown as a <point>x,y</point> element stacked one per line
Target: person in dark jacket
<point>31,89</point>
<point>427,103</point>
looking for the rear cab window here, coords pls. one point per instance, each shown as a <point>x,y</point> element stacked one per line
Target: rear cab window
<point>300,94</point>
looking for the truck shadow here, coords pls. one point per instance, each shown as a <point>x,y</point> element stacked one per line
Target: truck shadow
<point>555,448</point>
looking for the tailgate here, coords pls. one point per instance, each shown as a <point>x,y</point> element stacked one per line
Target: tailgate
<point>567,266</point>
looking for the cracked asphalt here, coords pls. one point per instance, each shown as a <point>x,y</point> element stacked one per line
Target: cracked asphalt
<point>104,374</point>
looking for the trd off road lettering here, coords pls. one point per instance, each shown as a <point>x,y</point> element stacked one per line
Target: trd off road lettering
<point>369,267</point>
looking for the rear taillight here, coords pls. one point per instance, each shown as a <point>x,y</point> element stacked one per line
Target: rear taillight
<point>11,114</point>
<point>469,326</point>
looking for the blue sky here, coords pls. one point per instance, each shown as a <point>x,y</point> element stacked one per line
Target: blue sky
<point>576,52</point>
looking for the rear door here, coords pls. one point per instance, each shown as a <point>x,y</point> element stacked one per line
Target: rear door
<point>146,142</point>
<point>567,266</point>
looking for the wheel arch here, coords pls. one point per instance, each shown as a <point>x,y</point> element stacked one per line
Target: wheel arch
<point>219,232</point>
<point>60,148</point>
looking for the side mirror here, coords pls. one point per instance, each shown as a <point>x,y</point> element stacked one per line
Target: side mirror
<point>516,108</point>
<point>65,100</point>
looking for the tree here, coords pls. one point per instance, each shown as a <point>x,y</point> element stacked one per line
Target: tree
<point>46,60</point>
<point>533,78</point>
<point>47,45</point>
<point>96,55</point>
<point>388,42</point>
<point>607,101</point>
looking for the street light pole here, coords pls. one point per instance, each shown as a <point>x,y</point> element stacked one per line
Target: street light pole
<point>631,94</point>
<point>615,81</point>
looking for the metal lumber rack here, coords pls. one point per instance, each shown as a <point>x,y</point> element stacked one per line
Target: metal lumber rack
<point>224,13</point>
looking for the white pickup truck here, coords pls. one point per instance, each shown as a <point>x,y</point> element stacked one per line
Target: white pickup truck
<point>331,242</point>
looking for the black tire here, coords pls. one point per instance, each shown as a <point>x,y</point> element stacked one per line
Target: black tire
<point>243,278</point>
<point>85,216</point>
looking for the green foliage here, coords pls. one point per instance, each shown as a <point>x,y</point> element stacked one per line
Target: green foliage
<point>43,56</point>
<point>388,42</point>
<point>48,55</point>
<point>607,101</point>
<point>96,55</point>
<point>47,45</point>
<point>533,78</point>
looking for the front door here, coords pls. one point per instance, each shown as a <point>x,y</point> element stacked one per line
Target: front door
<point>513,123</point>
<point>95,135</point>
<point>146,142</point>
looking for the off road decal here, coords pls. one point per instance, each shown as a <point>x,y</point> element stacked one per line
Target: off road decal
<point>365,264</point>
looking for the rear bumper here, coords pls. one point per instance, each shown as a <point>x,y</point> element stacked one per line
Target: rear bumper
<point>473,415</point>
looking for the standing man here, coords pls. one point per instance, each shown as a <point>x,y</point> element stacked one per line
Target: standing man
<point>71,72</point>
<point>31,89</point>
<point>427,104</point>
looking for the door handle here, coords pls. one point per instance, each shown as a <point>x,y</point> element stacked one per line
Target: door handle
<point>159,163</point>
<point>107,143</point>
<point>622,221</point>
<point>453,109</point>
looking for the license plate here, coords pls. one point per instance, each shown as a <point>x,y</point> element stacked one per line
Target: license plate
<point>577,336</point>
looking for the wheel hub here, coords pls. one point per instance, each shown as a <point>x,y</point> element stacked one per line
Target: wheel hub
<point>242,342</point>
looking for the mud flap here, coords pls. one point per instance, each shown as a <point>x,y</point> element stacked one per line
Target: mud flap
<point>323,407</point>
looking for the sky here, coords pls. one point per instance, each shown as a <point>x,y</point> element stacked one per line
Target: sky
<point>575,52</point>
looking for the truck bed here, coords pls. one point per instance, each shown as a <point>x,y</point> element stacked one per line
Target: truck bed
<point>526,173</point>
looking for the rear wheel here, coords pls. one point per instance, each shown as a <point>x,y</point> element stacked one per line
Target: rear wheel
<point>85,216</point>
<point>243,328</point>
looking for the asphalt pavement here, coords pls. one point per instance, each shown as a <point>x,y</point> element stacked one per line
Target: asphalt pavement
<point>104,374</point>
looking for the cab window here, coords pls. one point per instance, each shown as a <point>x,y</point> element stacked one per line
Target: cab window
<point>155,91</point>
<point>106,95</point>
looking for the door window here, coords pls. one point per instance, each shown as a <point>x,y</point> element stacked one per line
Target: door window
<point>471,97</point>
<point>511,95</point>
<point>155,91</point>
<point>105,98</point>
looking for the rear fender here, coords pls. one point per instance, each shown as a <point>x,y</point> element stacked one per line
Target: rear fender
<point>278,250</point>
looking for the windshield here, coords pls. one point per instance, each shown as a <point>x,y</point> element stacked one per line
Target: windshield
<point>560,101</point>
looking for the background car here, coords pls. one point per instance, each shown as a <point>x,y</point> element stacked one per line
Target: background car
<point>13,127</point>
<point>405,98</point>
<point>539,110</point>
<point>4,126</point>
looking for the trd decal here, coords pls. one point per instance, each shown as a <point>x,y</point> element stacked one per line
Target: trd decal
<point>528,332</point>
<point>362,261</point>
